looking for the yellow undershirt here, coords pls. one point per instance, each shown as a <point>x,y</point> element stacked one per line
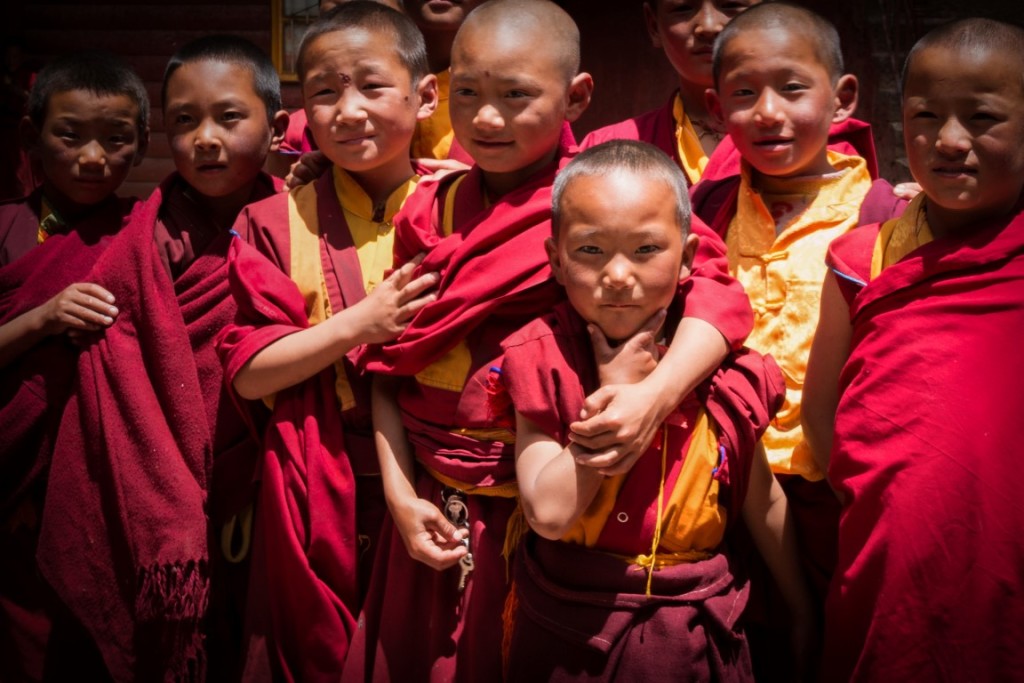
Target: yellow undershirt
<point>900,236</point>
<point>691,153</point>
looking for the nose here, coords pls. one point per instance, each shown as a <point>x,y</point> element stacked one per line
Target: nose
<point>953,138</point>
<point>709,22</point>
<point>206,135</point>
<point>489,117</point>
<point>618,273</point>
<point>350,108</point>
<point>92,155</point>
<point>766,109</point>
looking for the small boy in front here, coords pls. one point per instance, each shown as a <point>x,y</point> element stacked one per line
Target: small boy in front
<point>655,535</point>
<point>779,87</point>
<point>315,287</point>
<point>915,361</point>
<point>87,126</point>
<point>151,456</point>
<point>515,87</point>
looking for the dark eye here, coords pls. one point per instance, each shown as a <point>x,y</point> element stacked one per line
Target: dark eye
<point>589,249</point>
<point>464,92</point>
<point>231,116</point>
<point>648,249</point>
<point>182,119</point>
<point>924,114</point>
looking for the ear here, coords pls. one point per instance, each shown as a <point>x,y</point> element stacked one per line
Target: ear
<point>551,247</point>
<point>651,22</point>
<point>426,91</point>
<point>714,105</point>
<point>581,89</point>
<point>846,97</point>
<point>28,133</point>
<point>142,148</point>
<point>689,253</point>
<point>278,128</point>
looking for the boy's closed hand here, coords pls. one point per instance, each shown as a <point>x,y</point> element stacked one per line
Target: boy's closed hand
<point>632,360</point>
<point>388,309</point>
<point>308,168</point>
<point>80,307</point>
<point>428,535</point>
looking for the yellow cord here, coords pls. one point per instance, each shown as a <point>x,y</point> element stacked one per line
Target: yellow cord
<point>661,503</point>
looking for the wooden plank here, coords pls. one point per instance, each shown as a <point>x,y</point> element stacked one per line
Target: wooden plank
<point>128,44</point>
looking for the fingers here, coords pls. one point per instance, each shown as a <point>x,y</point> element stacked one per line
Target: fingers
<point>418,286</point>
<point>906,190</point>
<point>593,405</point>
<point>84,306</point>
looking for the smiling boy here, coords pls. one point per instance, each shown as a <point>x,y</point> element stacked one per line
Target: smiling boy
<point>151,456</point>
<point>912,362</point>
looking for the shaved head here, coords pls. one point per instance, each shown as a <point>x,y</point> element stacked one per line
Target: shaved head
<point>976,37</point>
<point>545,24</point>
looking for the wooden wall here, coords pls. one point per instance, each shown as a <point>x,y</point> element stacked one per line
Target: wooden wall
<point>631,76</point>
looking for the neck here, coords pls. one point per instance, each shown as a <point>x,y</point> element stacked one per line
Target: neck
<point>499,184</point>
<point>222,211</point>
<point>694,102</point>
<point>378,183</point>
<point>439,50</point>
<point>950,222</point>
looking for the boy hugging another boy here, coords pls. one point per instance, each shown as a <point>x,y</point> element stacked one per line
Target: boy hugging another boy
<point>914,361</point>
<point>314,288</point>
<point>629,577</point>
<point>434,608</point>
<point>87,126</point>
<point>150,450</point>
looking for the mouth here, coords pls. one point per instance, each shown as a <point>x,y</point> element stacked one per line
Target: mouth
<point>492,144</point>
<point>955,171</point>
<point>774,143</point>
<point>213,167</point>
<point>354,139</point>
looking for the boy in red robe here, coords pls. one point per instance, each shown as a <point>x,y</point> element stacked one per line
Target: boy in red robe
<point>325,291</point>
<point>87,127</point>
<point>913,359</point>
<point>151,456</point>
<point>627,572</point>
<point>438,445</point>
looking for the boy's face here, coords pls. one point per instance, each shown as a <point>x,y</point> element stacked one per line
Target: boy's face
<point>778,101</point>
<point>360,101</point>
<point>217,127</point>
<point>686,31</point>
<point>87,145</point>
<point>963,123</point>
<point>509,99</point>
<point>619,252</point>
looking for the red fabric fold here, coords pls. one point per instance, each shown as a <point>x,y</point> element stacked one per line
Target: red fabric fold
<point>926,448</point>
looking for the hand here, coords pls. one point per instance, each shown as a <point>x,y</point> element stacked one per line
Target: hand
<point>906,190</point>
<point>388,309</point>
<point>632,360</point>
<point>428,535</point>
<point>81,307</point>
<point>438,167</point>
<point>308,168</point>
<point>617,425</point>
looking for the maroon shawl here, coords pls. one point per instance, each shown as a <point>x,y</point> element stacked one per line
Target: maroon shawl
<point>926,453</point>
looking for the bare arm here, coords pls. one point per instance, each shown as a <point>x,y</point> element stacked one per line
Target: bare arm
<point>620,421</point>
<point>553,488</point>
<point>380,317</point>
<point>829,352</point>
<point>766,514</point>
<point>428,535</point>
<point>81,307</point>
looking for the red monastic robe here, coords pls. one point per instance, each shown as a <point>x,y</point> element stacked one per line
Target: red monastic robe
<point>495,278</point>
<point>582,613</point>
<point>33,391</point>
<point>928,584</point>
<point>147,431</point>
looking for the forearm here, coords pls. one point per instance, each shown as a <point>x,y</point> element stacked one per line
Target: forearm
<point>397,464</point>
<point>561,492</point>
<point>21,334</point>
<point>296,357</point>
<point>697,349</point>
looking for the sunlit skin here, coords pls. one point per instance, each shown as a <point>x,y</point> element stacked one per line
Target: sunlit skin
<point>439,20</point>
<point>219,133</point>
<point>509,99</point>
<point>362,106</point>
<point>778,101</point>
<point>963,124</point>
<point>686,30</point>
<point>86,146</point>
<point>619,252</point>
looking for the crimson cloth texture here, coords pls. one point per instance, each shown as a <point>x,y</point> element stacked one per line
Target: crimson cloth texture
<point>604,626</point>
<point>928,583</point>
<point>124,537</point>
<point>310,501</point>
<point>33,391</point>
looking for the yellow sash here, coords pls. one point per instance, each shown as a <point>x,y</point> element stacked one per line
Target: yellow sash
<point>900,236</point>
<point>691,153</point>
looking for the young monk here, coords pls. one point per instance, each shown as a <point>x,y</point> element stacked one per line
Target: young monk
<point>151,456</point>
<point>365,82</point>
<point>917,318</point>
<point>653,536</point>
<point>88,125</point>
<point>515,86</point>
